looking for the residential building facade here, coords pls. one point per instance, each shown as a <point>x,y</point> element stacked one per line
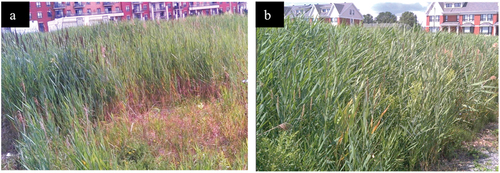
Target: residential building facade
<point>42,12</point>
<point>333,13</point>
<point>463,17</point>
<point>65,14</point>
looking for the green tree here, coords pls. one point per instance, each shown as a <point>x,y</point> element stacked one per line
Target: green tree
<point>368,18</point>
<point>386,17</point>
<point>408,18</point>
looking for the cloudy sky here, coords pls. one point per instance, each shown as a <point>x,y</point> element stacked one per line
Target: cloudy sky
<point>374,7</point>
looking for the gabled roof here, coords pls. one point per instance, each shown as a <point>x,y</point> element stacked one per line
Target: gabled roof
<point>305,11</point>
<point>339,7</point>
<point>467,7</point>
<point>329,7</point>
<point>332,9</point>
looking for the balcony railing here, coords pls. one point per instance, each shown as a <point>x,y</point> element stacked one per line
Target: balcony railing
<point>79,5</point>
<point>160,9</point>
<point>89,14</point>
<point>203,4</point>
<point>137,10</point>
<point>59,15</point>
<point>108,4</point>
<point>58,5</point>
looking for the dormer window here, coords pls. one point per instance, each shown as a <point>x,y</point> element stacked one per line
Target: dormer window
<point>325,10</point>
<point>449,5</point>
<point>458,5</point>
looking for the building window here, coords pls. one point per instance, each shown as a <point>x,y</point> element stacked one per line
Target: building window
<point>88,3</point>
<point>127,8</point>
<point>49,14</point>
<point>434,18</point>
<point>98,2</point>
<point>486,17</point>
<point>48,4</point>
<point>38,4</point>
<point>352,22</point>
<point>68,3</point>
<point>485,30</point>
<point>117,9</point>
<point>458,5</point>
<point>144,7</point>
<point>335,20</point>
<point>468,18</point>
<point>448,5</point>
<point>227,9</point>
<point>128,17</point>
<point>68,12</point>
<point>39,15</point>
<point>468,29</point>
<point>30,15</point>
<point>445,18</point>
<point>434,29</point>
<point>99,10</point>
<point>88,11</point>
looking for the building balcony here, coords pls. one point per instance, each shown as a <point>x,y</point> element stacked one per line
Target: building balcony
<point>137,10</point>
<point>58,5</point>
<point>79,5</point>
<point>160,9</point>
<point>89,14</point>
<point>204,7</point>
<point>136,2</point>
<point>106,4</point>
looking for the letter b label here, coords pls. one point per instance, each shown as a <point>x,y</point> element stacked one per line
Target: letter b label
<point>267,15</point>
<point>270,14</point>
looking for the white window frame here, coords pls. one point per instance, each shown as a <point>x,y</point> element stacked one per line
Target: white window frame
<point>39,14</point>
<point>468,18</point>
<point>449,5</point>
<point>351,21</point>
<point>47,4</point>
<point>455,5</point>
<point>38,4</point>
<point>485,30</point>
<point>127,8</point>
<point>335,19</point>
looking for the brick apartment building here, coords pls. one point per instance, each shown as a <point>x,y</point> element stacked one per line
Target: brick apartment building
<point>463,17</point>
<point>43,12</point>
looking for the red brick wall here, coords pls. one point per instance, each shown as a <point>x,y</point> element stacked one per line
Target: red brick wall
<point>427,21</point>
<point>477,21</point>
<point>124,9</point>
<point>43,9</point>
<point>452,18</point>
<point>441,19</point>
<point>460,18</point>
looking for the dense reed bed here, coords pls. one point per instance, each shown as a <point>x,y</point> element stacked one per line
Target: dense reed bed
<point>353,98</point>
<point>129,95</point>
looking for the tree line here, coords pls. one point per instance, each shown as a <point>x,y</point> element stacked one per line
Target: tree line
<point>387,17</point>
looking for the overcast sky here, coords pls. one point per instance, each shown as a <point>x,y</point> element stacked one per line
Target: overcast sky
<point>374,7</point>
